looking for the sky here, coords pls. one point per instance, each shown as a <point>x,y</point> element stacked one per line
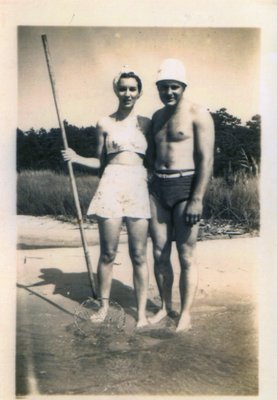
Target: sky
<point>223,67</point>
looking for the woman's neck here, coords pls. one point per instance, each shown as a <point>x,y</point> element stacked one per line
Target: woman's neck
<point>123,114</point>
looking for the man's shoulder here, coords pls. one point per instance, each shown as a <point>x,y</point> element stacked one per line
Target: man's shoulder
<point>158,114</point>
<point>199,112</point>
<point>202,119</point>
<point>198,109</point>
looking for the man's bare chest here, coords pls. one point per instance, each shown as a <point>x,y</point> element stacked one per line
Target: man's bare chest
<point>174,131</point>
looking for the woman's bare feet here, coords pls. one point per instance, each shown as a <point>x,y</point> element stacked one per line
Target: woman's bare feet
<point>99,316</point>
<point>142,322</point>
<point>184,323</point>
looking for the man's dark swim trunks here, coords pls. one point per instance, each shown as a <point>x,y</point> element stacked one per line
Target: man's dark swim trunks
<point>171,188</point>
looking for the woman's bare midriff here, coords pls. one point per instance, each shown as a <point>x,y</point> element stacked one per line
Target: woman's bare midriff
<point>125,158</point>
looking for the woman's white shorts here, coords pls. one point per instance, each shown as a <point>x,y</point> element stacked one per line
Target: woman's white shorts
<point>122,192</point>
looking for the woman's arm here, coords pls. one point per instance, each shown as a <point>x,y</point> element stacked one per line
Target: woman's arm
<point>71,155</point>
<point>91,162</point>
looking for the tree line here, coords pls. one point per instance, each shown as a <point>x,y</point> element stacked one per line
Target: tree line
<point>237,146</point>
<point>41,149</point>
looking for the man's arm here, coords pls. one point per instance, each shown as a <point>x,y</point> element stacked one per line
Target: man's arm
<point>150,152</point>
<point>150,156</point>
<point>203,155</point>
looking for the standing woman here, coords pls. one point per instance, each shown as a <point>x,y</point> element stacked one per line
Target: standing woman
<point>122,191</point>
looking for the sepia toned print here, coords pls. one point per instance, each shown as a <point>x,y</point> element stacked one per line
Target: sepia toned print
<point>229,50</point>
<point>57,355</point>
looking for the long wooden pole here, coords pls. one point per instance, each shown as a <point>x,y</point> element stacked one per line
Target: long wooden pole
<point>70,169</point>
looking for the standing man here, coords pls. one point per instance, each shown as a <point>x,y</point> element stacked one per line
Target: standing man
<point>182,149</point>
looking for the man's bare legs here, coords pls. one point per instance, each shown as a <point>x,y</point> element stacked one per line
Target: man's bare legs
<point>109,231</point>
<point>161,234</point>
<point>186,237</point>
<point>137,236</point>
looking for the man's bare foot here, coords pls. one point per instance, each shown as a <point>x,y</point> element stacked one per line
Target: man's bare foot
<point>184,324</point>
<point>142,322</point>
<point>99,316</point>
<point>161,314</point>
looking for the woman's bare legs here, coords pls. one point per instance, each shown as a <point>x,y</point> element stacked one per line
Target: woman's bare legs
<point>109,232</point>
<point>137,236</point>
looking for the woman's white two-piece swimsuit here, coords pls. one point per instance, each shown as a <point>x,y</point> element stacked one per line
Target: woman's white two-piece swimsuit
<point>122,190</point>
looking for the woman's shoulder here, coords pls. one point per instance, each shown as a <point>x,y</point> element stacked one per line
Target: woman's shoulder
<point>144,122</point>
<point>104,121</point>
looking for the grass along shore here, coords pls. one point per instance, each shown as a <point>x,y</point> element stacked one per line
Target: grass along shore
<point>41,193</point>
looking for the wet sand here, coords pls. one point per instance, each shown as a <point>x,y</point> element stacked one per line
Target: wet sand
<point>219,356</point>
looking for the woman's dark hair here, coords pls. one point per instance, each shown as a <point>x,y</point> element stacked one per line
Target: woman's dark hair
<point>132,75</point>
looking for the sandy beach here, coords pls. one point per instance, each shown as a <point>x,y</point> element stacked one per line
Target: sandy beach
<point>219,356</point>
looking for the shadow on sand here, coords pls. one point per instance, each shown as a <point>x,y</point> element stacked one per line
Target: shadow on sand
<point>218,357</point>
<point>76,287</point>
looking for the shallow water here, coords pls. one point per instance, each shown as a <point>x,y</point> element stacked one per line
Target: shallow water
<point>217,357</point>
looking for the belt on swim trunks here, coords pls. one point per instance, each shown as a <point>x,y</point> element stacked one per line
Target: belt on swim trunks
<point>174,173</point>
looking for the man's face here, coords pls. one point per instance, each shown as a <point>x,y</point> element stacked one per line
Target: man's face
<point>170,92</point>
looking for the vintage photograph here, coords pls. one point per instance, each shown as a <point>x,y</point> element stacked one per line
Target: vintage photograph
<point>138,156</point>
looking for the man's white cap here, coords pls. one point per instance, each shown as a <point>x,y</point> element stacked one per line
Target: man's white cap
<point>172,69</point>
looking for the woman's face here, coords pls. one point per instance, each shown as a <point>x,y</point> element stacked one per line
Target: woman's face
<point>127,92</point>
